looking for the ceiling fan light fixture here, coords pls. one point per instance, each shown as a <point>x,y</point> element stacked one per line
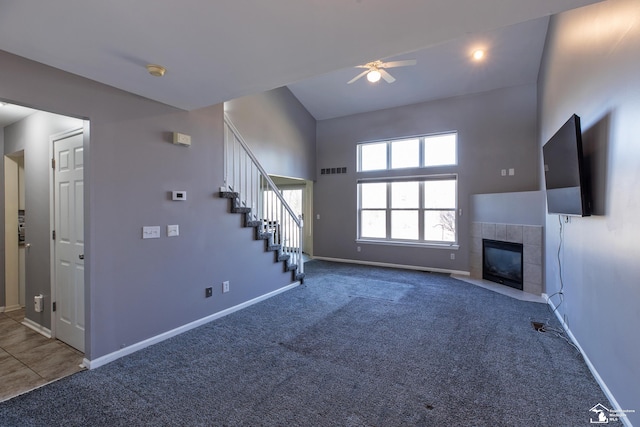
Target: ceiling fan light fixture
<point>373,76</point>
<point>156,70</point>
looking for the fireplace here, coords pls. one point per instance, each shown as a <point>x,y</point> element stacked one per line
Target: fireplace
<point>502,262</point>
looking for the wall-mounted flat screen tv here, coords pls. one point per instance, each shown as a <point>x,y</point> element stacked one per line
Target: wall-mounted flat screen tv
<point>564,171</point>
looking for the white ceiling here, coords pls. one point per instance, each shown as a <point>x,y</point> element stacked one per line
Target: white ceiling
<point>215,51</point>
<point>10,113</point>
<point>512,57</point>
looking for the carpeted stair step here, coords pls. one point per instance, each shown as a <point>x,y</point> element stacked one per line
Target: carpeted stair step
<point>283,257</point>
<point>235,200</point>
<point>291,267</point>
<point>240,209</point>
<point>248,222</point>
<point>263,236</point>
<point>236,207</point>
<point>229,195</point>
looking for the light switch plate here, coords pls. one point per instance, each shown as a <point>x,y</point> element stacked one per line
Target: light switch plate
<point>173,230</point>
<point>151,232</point>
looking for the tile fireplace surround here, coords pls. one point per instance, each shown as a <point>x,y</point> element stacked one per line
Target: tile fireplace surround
<point>531,238</point>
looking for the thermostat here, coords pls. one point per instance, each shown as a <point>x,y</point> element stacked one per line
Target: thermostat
<point>178,195</point>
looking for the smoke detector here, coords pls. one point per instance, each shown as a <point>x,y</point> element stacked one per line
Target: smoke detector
<point>156,70</point>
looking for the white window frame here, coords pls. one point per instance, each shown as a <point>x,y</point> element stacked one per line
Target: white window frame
<point>421,241</point>
<point>421,154</point>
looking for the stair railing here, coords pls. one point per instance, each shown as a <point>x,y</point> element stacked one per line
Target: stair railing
<point>244,175</point>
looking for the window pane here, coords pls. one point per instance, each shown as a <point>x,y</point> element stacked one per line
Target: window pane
<point>373,224</point>
<point>405,195</point>
<point>373,156</point>
<point>440,194</point>
<point>404,225</point>
<point>440,226</point>
<point>373,195</point>
<point>405,153</point>
<point>440,149</point>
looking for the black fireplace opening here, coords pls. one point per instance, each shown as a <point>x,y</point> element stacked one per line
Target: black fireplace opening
<point>502,262</point>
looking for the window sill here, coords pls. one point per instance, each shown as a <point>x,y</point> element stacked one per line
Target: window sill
<point>448,246</point>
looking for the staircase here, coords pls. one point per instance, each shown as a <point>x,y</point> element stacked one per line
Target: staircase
<point>253,194</point>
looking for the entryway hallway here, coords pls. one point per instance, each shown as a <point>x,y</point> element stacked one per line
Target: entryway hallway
<point>29,359</point>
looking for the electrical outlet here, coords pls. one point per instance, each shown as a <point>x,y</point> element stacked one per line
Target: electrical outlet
<point>453,256</point>
<point>208,292</point>
<point>225,287</point>
<point>358,248</point>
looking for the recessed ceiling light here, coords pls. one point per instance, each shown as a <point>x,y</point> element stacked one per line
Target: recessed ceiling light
<point>156,70</point>
<point>478,54</point>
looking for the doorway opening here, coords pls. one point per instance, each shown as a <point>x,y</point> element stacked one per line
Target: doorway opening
<point>298,193</point>
<point>31,279</point>
<point>14,241</point>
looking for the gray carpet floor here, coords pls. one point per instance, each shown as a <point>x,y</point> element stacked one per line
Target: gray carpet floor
<point>353,346</point>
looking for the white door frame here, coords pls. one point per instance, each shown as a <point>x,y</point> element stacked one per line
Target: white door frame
<point>52,139</point>
<point>14,294</point>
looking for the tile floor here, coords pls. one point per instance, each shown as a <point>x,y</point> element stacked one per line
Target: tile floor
<point>28,359</point>
<point>501,289</point>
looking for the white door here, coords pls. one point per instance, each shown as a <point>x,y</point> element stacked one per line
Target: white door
<point>68,214</point>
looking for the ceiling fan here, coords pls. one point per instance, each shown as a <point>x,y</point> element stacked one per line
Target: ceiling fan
<point>376,69</point>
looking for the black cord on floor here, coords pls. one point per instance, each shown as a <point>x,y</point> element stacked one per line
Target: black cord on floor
<point>546,328</point>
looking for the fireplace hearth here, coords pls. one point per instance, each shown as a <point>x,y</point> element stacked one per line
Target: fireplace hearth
<point>502,262</point>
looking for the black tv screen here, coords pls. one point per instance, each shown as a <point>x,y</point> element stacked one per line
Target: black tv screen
<point>564,171</point>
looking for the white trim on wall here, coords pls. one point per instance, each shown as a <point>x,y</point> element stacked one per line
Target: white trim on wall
<point>386,264</point>
<point>594,372</point>
<point>37,327</point>
<point>103,360</point>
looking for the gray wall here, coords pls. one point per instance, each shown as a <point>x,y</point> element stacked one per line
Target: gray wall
<point>32,135</point>
<point>496,130</point>
<point>279,131</point>
<point>591,69</point>
<point>509,208</point>
<point>136,289</point>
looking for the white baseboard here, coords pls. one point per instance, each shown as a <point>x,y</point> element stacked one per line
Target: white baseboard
<point>594,372</point>
<point>1,309</point>
<point>103,360</point>
<point>37,327</point>
<point>386,264</point>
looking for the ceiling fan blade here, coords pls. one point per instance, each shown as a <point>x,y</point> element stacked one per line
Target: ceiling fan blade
<point>358,76</point>
<point>393,64</point>
<point>388,77</point>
